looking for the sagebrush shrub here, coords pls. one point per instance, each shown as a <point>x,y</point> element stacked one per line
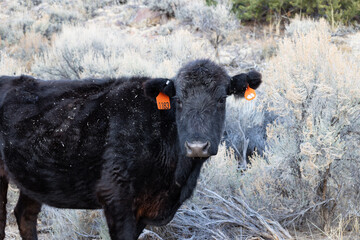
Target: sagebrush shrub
<point>310,168</point>
<point>299,27</point>
<point>11,31</point>
<point>108,53</point>
<point>215,18</point>
<point>59,17</point>
<point>8,65</point>
<point>167,7</point>
<point>355,46</point>
<point>216,21</point>
<point>30,45</point>
<point>90,6</point>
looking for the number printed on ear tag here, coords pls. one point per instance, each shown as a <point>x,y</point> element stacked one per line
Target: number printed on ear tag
<point>163,101</point>
<point>250,94</point>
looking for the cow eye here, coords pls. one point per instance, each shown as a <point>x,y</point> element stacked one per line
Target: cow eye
<point>222,100</point>
<point>179,103</point>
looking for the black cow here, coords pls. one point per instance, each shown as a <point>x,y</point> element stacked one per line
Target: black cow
<point>93,144</point>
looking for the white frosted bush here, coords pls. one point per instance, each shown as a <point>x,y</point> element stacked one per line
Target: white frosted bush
<point>298,27</point>
<point>218,19</point>
<point>166,6</point>
<point>354,42</point>
<point>80,52</point>
<point>310,169</point>
<point>217,22</point>
<point>8,65</point>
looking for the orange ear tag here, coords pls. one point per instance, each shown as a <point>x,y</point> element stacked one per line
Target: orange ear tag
<point>250,94</point>
<point>163,101</point>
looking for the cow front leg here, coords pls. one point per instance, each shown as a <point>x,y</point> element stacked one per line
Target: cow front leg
<point>3,200</point>
<point>139,228</point>
<point>121,221</point>
<point>26,212</point>
<point>117,200</point>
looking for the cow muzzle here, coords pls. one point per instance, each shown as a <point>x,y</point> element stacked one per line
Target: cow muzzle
<point>197,149</point>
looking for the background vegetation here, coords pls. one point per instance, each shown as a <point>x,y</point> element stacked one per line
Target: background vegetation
<point>289,162</point>
<point>345,11</point>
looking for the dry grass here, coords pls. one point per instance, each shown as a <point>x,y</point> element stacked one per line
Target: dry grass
<point>73,224</point>
<point>217,210</point>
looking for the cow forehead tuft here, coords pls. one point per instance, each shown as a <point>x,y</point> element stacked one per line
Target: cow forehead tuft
<point>201,73</point>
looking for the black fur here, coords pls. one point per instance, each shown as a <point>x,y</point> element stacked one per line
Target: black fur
<point>153,87</point>
<point>92,144</point>
<point>240,82</point>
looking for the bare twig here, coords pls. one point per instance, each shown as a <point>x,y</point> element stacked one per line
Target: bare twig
<point>148,233</point>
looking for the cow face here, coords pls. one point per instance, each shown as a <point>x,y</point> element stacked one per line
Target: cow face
<point>199,90</point>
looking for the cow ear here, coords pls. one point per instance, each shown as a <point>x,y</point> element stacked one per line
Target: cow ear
<point>154,86</point>
<point>254,79</point>
<point>240,82</point>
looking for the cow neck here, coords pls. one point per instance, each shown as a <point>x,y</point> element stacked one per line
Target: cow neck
<point>169,139</point>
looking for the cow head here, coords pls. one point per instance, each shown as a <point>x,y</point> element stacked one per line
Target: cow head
<point>199,92</point>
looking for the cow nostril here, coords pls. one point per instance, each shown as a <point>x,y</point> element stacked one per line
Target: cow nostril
<point>197,149</point>
<point>206,147</point>
<point>189,150</point>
